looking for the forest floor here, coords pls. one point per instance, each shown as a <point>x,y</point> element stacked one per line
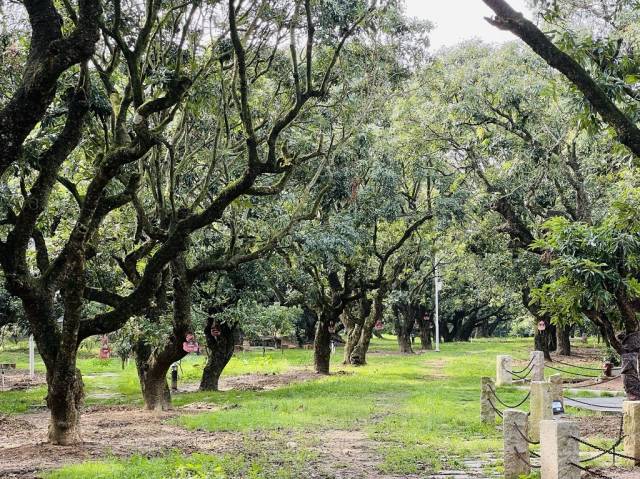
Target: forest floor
<point>400,416</point>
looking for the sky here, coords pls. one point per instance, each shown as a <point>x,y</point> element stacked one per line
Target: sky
<point>459,20</point>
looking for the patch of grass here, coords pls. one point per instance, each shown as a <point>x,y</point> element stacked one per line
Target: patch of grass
<point>421,411</point>
<point>17,402</point>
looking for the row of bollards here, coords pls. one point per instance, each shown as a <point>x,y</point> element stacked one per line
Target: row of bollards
<point>558,438</point>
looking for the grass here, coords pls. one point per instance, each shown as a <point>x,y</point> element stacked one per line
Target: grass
<point>421,412</point>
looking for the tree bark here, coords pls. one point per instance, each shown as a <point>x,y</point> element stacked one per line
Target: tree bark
<point>563,335</point>
<point>359,354</point>
<point>154,368</point>
<point>322,345</point>
<point>220,353</point>
<point>65,393</point>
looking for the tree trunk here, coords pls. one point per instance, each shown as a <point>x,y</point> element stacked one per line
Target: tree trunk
<point>155,389</point>
<point>425,335</point>
<point>353,336</point>
<point>545,340</point>
<point>372,316</point>
<point>404,341</point>
<point>154,368</point>
<point>322,345</point>
<point>220,353</point>
<point>64,398</point>
<point>563,338</point>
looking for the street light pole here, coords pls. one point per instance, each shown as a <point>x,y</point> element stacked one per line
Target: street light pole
<point>437,285</point>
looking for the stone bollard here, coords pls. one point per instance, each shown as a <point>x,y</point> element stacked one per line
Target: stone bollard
<point>503,371</point>
<point>557,388</point>
<point>540,407</point>
<point>516,448</point>
<point>558,450</point>
<point>537,373</point>
<point>487,414</point>
<point>631,425</point>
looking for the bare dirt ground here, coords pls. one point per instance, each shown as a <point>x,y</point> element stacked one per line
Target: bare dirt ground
<point>116,431</point>
<point>122,431</point>
<point>257,382</point>
<point>18,380</point>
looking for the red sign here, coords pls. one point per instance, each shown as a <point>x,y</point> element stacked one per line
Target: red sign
<point>105,350</point>
<point>190,345</point>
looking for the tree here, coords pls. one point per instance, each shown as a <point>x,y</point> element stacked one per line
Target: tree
<point>148,100</point>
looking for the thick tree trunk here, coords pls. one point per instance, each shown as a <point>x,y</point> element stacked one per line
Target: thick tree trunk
<point>322,345</point>
<point>155,389</point>
<point>372,315</point>
<point>404,342</point>
<point>353,336</point>
<point>545,340</point>
<point>563,338</point>
<point>425,335</point>
<point>153,368</point>
<point>360,335</point>
<point>220,353</point>
<point>65,393</point>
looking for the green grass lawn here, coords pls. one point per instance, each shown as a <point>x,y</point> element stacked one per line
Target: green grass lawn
<point>421,411</point>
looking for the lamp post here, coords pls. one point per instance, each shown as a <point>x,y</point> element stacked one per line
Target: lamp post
<point>437,286</point>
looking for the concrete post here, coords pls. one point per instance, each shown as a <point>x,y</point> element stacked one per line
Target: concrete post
<point>540,407</point>
<point>487,414</point>
<point>32,357</point>
<point>631,426</point>
<point>516,447</point>
<point>503,371</point>
<point>558,449</point>
<point>537,373</point>
<point>557,388</point>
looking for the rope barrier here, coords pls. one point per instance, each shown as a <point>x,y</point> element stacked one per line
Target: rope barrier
<point>577,366</point>
<point>535,443</point>
<point>524,461</point>
<point>518,375</point>
<point>570,372</point>
<point>525,368</point>
<point>507,405</point>
<point>608,408</point>
<point>589,471</point>
<point>602,381</point>
<point>601,449</point>
<point>611,450</point>
<point>495,409</point>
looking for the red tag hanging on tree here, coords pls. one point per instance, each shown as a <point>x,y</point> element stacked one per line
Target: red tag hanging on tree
<point>190,345</point>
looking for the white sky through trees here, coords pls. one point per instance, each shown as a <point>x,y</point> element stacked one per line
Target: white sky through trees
<point>458,20</point>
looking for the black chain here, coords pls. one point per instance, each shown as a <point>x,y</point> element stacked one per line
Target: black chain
<point>589,471</point>
<point>577,366</point>
<point>598,448</point>
<point>525,437</point>
<point>496,410</point>
<point>507,405</point>
<point>608,408</point>
<point>528,463</point>
<point>570,372</point>
<point>603,381</point>
<point>517,374</point>
<point>611,450</point>
<point>525,368</point>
